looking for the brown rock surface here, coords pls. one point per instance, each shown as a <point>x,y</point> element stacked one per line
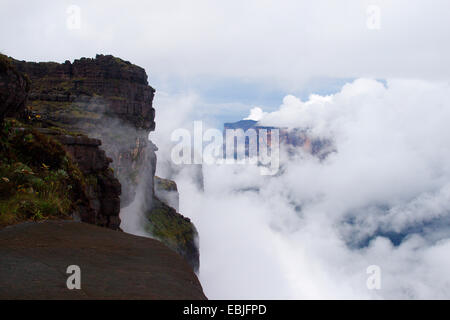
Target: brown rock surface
<point>114,265</point>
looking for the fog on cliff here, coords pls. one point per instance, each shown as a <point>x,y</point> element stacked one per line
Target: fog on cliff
<point>383,198</point>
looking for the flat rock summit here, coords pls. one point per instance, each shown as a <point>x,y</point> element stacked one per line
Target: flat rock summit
<point>114,265</point>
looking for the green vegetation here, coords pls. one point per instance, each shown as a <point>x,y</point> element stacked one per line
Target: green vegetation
<point>60,130</point>
<point>117,98</point>
<point>61,109</point>
<point>6,64</point>
<point>171,228</point>
<point>165,184</point>
<point>123,64</point>
<point>37,179</point>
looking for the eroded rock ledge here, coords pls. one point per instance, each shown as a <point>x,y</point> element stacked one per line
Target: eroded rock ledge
<point>105,85</point>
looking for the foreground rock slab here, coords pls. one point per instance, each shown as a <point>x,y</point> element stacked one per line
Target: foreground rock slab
<point>114,265</point>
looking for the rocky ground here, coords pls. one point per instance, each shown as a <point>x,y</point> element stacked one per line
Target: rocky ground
<point>114,265</point>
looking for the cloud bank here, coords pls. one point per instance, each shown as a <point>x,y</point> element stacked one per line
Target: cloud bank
<point>381,199</point>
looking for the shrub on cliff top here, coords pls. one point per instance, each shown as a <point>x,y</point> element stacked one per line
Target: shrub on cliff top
<point>5,63</point>
<point>37,179</point>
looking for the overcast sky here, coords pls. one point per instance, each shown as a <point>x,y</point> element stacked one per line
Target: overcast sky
<point>240,52</point>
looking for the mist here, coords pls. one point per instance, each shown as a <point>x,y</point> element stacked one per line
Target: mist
<point>382,198</point>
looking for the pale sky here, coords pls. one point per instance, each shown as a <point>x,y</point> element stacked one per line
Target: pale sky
<point>273,47</point>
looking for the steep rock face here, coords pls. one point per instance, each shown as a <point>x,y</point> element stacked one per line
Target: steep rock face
<point>174,230</point>
<point>169,226</point>
<point>97,190</point>
<point>14,89</point>
<point>103,188</point>
<point>106,98</point>
<point>106,86</point>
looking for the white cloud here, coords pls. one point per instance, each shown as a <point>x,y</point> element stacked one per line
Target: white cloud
<point>283,43</point>
<point>256,114</point>
<point>313,231</point>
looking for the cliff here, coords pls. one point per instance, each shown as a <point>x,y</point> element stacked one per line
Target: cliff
<point>14,88</point>
<point>290,139</point>
<point>106,98</point>
<point>89,90</point>
<point>97,113</point>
